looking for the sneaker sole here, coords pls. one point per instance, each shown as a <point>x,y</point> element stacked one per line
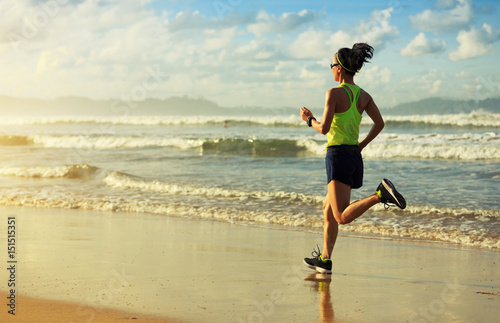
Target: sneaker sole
<point>389,187</point>
<point>318,269</point>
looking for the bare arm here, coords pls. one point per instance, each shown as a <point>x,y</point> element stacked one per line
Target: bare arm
<point>374,114</point>
<point>324,125</point>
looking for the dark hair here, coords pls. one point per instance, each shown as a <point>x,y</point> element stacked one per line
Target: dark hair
<point>352,59</point>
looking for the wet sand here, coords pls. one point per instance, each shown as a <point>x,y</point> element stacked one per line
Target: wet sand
<point>30,310</point>
<point>79,266</point>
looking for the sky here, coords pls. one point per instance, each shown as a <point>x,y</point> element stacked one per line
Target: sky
<point>247,53</point>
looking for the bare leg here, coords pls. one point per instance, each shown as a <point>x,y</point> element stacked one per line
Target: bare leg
<point>340,196</point>
<point>338,210</point>
<point>331,229</point>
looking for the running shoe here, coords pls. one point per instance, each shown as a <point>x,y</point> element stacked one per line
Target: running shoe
<point>317,263</point>
<point>389,195</point>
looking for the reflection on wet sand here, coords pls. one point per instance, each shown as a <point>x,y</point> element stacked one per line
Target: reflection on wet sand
<point>321,284</point>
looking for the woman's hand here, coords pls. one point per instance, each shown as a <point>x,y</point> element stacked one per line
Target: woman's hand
<point>305,113</point>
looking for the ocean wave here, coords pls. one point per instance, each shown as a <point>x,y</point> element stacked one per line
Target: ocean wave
<point>259,147</point>
<point>14,140</point>
<point>120,192</point>
<point>82,171</point>
<point>473,119</point>
<point>267,121</point>
<point>458,228</point>
<point>466,234</point>
<point>120,180</point>
<point>465,146</point>
<point>98,142</point>
<point>446,152</point>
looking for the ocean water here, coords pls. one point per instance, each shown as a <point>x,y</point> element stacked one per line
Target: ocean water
<point>262,171</point>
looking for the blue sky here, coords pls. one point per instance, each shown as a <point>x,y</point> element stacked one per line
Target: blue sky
<point>247,53</point>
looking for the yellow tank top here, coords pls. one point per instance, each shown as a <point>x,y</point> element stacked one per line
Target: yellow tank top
<point>345,125</point>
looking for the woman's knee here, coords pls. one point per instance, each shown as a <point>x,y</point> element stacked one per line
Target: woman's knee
<point>328,212</point>
<point>338,217</point>
<point>326,208</point>
<point>339,195</point>
<point>332,215</point>
<point>341,220</point>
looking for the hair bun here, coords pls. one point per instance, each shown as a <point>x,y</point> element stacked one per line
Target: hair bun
<point>354,58</point>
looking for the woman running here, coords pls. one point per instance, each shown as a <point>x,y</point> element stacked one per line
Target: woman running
<point>344,106</point>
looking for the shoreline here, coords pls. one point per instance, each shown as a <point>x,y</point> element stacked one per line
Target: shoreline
<point>41,310</point>
<point>151,267</point>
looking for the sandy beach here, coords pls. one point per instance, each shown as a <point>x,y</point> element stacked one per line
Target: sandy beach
<point>41,310</point>
<point>88,266</point>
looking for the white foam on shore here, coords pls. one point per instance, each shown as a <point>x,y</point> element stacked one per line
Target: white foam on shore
<point>123,181</point>
<point>472,119</point>
<point>465,146</point>
<point>82,171</point>
<point>130,184</point>
<point>112,142</point>
<point>378,223</point>
<point>119,180</point>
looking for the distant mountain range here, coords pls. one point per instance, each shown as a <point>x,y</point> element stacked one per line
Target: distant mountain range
<point>10,106</point>
<point>445,106</point>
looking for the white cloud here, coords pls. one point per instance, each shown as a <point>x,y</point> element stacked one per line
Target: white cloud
<point>267,23</point>
<point>440,21</point>
<point>436,86</point>
<point>51,60</point>
<point>187,20</point>
<point>421,46</point>
<point>375,75</point>
<point>216,39</point>
<point>428,82</point>
<point>93,49</point>
<point>257,49</point>
<point>376,31</point>
<point>475,42</point>
<point>482,87</point>
<point>462,75</point>
<point>311,44</point>
<point>104,49</point>
<point>445,4</point>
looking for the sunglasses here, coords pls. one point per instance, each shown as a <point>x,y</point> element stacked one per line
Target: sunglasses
<point>333,65</point>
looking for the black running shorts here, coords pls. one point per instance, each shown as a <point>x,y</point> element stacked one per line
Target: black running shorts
<point>345,164</point>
